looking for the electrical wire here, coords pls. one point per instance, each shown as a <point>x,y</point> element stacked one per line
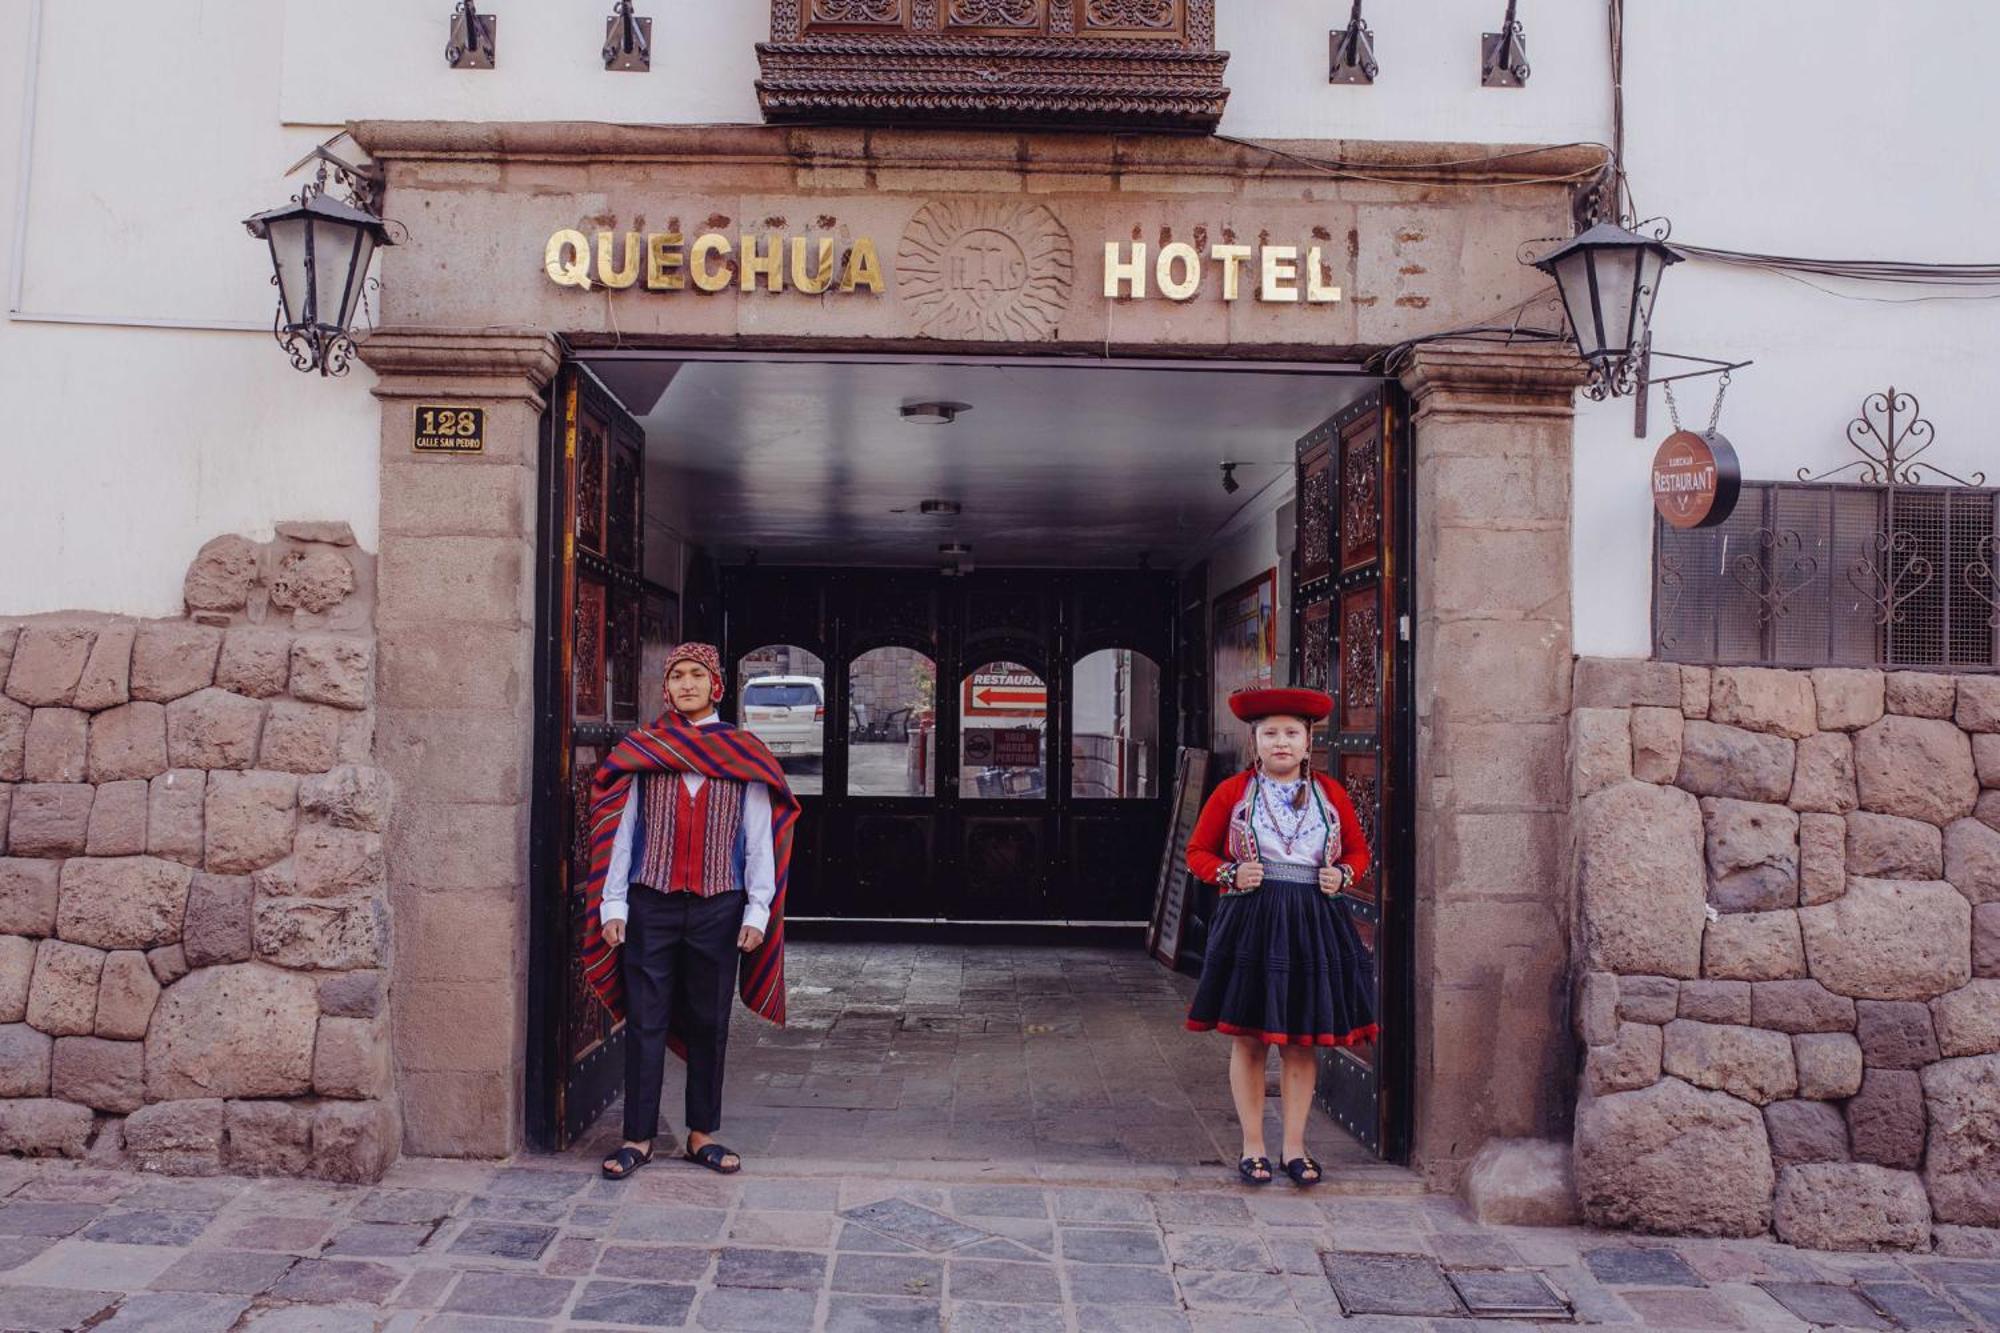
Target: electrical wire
<point>1378,171</point>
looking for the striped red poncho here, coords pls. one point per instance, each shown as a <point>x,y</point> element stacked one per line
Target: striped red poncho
<point>723,752</point>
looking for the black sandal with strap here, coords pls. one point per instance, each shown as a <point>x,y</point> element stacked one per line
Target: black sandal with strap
<point>1250,1166</point>
<point>625,1161</point>
<point>710,1155</point>
<point>1298,1168</point>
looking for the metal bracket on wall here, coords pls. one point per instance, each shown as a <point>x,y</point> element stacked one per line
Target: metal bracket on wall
<point>1353,56</point>
<point>1503,55</point>
<point>628,41</point>
<point>1644,379</point>
<point>475,38</point>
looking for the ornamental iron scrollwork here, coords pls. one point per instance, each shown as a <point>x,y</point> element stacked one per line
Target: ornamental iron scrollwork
<point>1890,571</point>
<point>1776,570</point>
<point>1888,449</point>
<point>1667,601</point>
<point>1981,581</point>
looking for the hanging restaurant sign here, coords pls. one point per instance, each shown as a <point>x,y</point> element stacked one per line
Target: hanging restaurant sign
<point>1695,479</point>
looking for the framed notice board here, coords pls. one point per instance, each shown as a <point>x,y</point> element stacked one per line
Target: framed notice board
<point>1169,920</point>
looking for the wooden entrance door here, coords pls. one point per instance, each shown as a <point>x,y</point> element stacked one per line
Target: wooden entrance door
<point>1351,636</point>
<point>605,629</point>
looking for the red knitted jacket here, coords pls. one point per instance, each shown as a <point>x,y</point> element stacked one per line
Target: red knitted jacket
<point>1207,852</point>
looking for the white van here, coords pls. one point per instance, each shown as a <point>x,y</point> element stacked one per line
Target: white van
<point>787,713</point>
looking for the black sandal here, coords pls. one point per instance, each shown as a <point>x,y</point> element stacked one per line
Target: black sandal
<point>710,1155</point>
<point>625,1161</point>
<point>1297,1169</point>
<point>1250,1166</point>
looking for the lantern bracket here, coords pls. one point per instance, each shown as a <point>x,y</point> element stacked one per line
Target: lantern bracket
<point>363,181</point>
<point>1503,55</point>
<point>628,41</point>
<point>1353,58</point>
<point>475,38</point>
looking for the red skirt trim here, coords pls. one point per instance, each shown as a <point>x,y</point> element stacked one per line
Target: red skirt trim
<point>1354,1038</point>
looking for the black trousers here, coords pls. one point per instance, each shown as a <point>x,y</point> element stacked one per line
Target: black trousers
<point>680,961</point>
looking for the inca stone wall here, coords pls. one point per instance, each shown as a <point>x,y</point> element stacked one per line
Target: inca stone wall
<point>1788,953</point>
<point>193,917</point>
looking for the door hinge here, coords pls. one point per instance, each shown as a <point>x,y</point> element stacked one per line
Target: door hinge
<point>1403,627</point>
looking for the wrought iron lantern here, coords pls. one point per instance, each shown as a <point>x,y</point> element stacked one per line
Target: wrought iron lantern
<point>1609,277</point>
<point>320,251</point>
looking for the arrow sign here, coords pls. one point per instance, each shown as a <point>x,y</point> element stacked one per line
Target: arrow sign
<point>999,698</point>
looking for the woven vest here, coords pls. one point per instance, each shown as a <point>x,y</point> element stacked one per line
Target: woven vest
<point>688,844</point>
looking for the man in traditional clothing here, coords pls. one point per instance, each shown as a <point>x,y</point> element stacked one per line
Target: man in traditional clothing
<point>690,840</point>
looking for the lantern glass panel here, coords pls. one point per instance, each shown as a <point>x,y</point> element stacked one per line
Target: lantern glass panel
<point>1652,263</point>
<point>333,252</point>
<point>287,237</point>
<point>1617,275</point>
<point>1573,281</point>
<point>357,277</point>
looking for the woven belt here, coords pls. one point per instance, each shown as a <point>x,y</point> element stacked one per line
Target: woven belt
<point>1291,874</point>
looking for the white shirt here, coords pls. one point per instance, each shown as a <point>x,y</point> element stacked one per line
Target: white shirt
<point>760,865</point>
<point>1308,847</point>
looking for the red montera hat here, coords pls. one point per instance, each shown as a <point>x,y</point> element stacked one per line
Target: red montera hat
<point>702,654</point>
<point>1255,705</point>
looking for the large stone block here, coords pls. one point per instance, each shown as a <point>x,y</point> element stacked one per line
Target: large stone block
<point>177,1138</point>
<point>1920,768</point>
<point>1656,743</point>
<point>1622,682</point>
<point>269,1138</point>
<point>349,796</point>
<point>1631,1061</point>
<point>326,935</point>
<point>312,581</point>
<point>301,738</point>
<point>173,658</point>
<point>1968,1019</point>
<point>1641,883</point>
<point>57,748</point>
<point>256,663</point>
<point>221,575</point>
<point>25,1057</point>
<point>122,902</point>
<point>118,820</point>
<point>169,964</point>
<point>250,820</point>
<point>213,729</point>
<point>355,1142</point>
<point>1750,1063</point>
<point>1673,1158</point>
<point>1978,703</point>
<point>1987,808</point>
<point>127,992</point>
<point>1593,1004</point>
<point>1919,693</point>
<point>1890,940</point>
<point>1963,1170</point>
<point>242,1030</point>
<point>218,920</point>
<point>1986,940</point>
<point>1848,698</point>
<point>1715,1001</point>
<point>351,994</point>
<point>1652,1000</point>
<point>108,1076</point>
<point>50,819</point>
<point>1824,778</point>
<point>44,1127</point>
<point>48,662</point>
<point>1972,860</point>
<point>1800,1006</point>
<point>1986,759</point>
<point>1522,1183</point>
<point>17,972</point>
<point>1891,847</point>
<point>1697,688</point>
<point>6,812</point>
<point>1886,1121</point>
<point>1753,855</point>
<point>1753,946</point>
<point>332,670</point>
<point>1600,748</point>
<point>174,802</point>
<point>1829,1064</point>
<point>1852,1206</point>
<point>1719,760</point>
<point>14,719</point>
<point>129,741</point>
<point>62,995</point>
<point>351,1058</point>
<point>1761,699</point>
<point>1895,1034</point>
<point>332,862</point>
<point>1803,1131</point>
<point>29,890</point>
<point>107,675</point>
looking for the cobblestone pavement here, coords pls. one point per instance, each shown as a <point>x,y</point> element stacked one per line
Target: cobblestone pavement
<point>848,1219</point>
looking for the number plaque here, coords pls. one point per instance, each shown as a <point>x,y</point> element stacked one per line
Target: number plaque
<point>444,428</point>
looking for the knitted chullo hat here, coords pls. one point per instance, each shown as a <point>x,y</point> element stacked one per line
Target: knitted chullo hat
<point>702,654</point>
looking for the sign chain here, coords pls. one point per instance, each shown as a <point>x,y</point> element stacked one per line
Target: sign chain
<point>1715,411</point>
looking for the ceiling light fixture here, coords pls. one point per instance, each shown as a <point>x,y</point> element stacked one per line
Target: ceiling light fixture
<point>933,414</point>
<point>941,508</point>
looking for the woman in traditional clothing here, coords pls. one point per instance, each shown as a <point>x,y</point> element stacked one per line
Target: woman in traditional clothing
<point>1284,966</point>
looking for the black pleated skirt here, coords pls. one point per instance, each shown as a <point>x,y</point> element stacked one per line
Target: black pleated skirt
<point>1284,964</point>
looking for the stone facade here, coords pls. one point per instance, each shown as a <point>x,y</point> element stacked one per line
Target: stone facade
<point>1787,985</point>
<point>172,921</point>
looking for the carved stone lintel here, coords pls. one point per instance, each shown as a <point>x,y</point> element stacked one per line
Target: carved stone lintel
<point>502,363</point>
<point>1525,380</point>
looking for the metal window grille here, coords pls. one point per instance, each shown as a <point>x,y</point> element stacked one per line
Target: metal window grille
<point>1807,574</point>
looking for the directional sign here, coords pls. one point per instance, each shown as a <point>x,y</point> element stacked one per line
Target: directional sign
<point>1005,694</point>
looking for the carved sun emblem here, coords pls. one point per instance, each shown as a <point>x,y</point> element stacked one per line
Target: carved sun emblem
<point>985,270</point>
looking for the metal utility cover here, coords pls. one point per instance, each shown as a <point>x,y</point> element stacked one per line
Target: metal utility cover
<point>1495,1295</point>
<point>1406,1284</point>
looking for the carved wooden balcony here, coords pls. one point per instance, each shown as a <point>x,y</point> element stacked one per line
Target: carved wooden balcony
<point>1129,64</point>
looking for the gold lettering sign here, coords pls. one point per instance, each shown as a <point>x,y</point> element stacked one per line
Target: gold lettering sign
<point>449,428</point>
<point>1280,273</point>
<point>667,261</point>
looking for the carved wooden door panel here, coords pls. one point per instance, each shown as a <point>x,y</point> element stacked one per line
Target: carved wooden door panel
<point>601,618</point>
<point>1350,638</point>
